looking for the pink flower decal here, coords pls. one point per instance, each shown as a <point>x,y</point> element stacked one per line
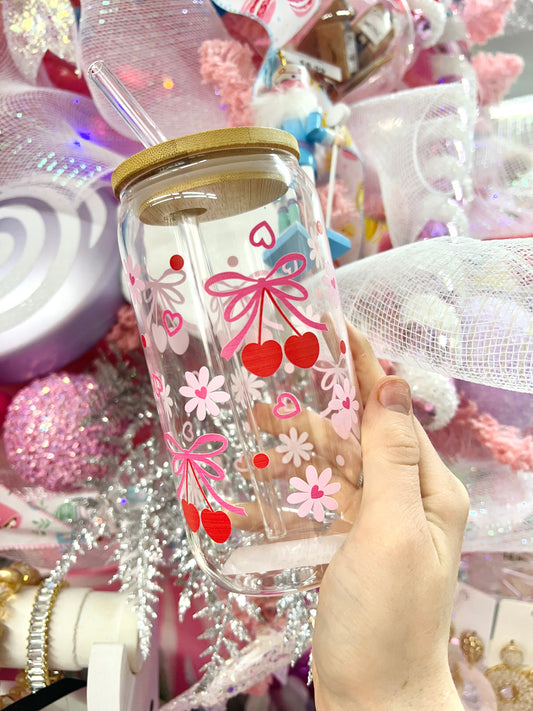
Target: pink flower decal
<point>247,299</point>
<point>314,494</point>
<point>344,406</point>
<point>135,285</point>
<point>203,393</point>
<point>198,466</point>
<point>330,280</point>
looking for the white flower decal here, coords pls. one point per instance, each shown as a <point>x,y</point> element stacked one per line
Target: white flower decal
<point>162,391</point>
<point>315,253</point>
<point>203,393</point>
<point>295,447</point>
<point>247,384</point>
<point>314,494</point>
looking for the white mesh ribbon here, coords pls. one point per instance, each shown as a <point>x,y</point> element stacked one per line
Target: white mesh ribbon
<point>152,47</point>
<point>457,306</point>
<point>503,171</point>
<point>419,143</point>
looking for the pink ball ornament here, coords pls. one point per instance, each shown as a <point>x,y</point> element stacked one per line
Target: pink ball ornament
<point>48,437</point>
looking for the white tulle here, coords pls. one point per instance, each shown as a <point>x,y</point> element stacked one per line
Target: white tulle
<point>457,306</point>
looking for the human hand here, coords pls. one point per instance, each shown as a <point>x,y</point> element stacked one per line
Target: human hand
<point>385,602</point>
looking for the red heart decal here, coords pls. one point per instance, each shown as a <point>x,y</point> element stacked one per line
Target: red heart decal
<point>201,393</point>
<point>346,403</point>
<point>262,359</point>
<point>217,525</point>
<point>302,350</point>
<point>266,237</point>
<point>172,322</point>
<point>191,515</point>
<point>158,385</point>
<point>316,493</point>
<point>286,406</point>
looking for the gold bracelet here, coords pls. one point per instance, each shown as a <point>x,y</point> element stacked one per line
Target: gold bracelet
<point>12,579</point>
<point>37,673</point>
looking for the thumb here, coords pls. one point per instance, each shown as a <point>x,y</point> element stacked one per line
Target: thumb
<point>390,448</point>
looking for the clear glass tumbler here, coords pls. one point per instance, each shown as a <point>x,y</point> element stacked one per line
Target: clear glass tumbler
<point>223,241</point>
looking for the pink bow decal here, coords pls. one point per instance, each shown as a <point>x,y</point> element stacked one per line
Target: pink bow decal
<point>246,300</point>
<point>183,458</point>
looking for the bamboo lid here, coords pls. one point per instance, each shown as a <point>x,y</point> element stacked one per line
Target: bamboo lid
<point>244,138</point>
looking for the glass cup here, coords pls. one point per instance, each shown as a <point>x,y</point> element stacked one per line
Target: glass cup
<point>228,265</point>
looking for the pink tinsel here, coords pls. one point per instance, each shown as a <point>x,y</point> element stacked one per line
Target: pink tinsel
<point>496,73</point>
<point>485,18</point>
<point>228,66</point>
<point>343,212</point>
<point>475,435</point>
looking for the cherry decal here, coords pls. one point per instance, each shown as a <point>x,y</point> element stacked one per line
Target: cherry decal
<point>262,359</point>
<point>191,515</point>
<point>302,350</point>
<point>217,525</point>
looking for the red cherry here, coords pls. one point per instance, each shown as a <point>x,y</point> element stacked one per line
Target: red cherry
<point>302,350</point>
<point>191,515</point>
<point>262,358</point>
<point>217,525</point>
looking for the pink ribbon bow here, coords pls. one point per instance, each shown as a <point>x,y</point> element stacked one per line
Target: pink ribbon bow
<point>198,461</point>
<point>245,300</point>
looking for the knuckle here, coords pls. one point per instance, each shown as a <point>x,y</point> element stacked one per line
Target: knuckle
<point>397,444</point>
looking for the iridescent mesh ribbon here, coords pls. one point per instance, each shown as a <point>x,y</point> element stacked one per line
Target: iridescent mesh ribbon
<point>153,49</point>
<point>419,144</point>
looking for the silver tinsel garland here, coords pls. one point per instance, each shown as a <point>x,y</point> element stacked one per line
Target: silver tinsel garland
<point>142,523</point>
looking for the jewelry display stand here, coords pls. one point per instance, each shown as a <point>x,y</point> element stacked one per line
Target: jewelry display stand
<point>89,630</point>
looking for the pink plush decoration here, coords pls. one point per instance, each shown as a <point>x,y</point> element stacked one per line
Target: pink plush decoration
<point>477,435</point>
<point>125,333</point>
<point>496,73</point>
<point>485,18</point>
<point>343,212</point>
<point>228,66</point>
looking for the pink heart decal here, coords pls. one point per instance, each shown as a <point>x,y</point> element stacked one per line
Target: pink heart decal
<point>158,385</point>
<point>286,406</point>
<point>266,237</point>
<point>172,322</point>
<point>316,493</point>
<point>201,393</point>
<point>346,403</point>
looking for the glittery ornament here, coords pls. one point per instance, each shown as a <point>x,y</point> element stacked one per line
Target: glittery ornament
<point>47,435</point>
<point>34,26</point>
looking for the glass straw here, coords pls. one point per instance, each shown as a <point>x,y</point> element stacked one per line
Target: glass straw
<point>125,104</point>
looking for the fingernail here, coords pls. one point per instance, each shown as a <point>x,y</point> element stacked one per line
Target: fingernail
<point>395,395</point>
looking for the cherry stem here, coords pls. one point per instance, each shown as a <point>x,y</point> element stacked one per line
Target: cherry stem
<point>199,486</point>
<point>282,314</point>
<point>261,304</point>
